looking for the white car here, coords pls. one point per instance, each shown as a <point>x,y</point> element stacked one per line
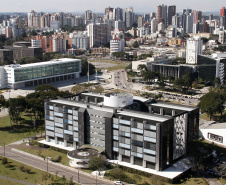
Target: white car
<point>118,183</point>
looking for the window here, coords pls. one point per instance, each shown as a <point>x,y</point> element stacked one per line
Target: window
<point>215,138</point>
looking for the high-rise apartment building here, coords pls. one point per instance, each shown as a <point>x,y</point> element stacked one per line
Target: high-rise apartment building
<point>118,14</point>
<point>128,17</point>
<point>88,15</point>
<point>154,25</point>
<point>194,48</point>
<point>98,34</point>
<point>171,13</point>
<point>162,14</point>
<point>223,11</point>
<point>30,16</point>
<point>140,21</point>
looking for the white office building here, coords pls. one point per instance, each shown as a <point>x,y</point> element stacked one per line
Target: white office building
<point>194,48</point>
<point>117,45</point>
<point>20,76</point>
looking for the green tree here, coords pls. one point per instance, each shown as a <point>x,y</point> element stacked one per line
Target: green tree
<point>142,68</point>
<point>187,79</point>
<point>97,163</point>
<point>84,67</point>
<point>135,45</point>
<point>212,103</point>
<point>149,76</point>
<point>16,107</point>
<point>77,89</point>
<point>98,89</point>
<point>2,101</point>
<point>120,55</point>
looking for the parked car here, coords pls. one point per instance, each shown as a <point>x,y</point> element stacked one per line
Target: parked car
<point>118,183</point>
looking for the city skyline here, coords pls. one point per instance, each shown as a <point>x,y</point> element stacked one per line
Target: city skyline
<point>100,5</point>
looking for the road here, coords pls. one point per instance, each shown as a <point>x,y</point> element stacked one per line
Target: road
<point>52,168</point>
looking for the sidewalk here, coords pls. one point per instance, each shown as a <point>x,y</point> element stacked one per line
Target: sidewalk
<point>15,180</point>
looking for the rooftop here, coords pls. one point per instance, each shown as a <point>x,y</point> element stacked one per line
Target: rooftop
<point>56,61</point>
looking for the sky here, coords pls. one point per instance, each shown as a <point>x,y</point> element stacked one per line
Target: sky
<point>144,6</point>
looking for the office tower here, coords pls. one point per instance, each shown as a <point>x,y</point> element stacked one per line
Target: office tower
<point>154,25</point>
<point>162,14</point>
<point>146,17</point>
<point>176,20</point>
<point>210,17</point>
<point>108,9</point>
<point>152,15</point>
<point>197,16</point>
<point>171,13</point>
<point>128,17</point>
<point>222,21</point>
<point>223,11</point>
<point>187,11</point>
<point>189,23</point>
<point>194,48</point>
<point>60,18</point>
<point>30,16</point>
<point>154,137</point>
<point>98,34</point>
<point>161,27</point>
<point>140,21</point>
<point>118,14</point>
<point>206,27</point>
<point>88,15</point>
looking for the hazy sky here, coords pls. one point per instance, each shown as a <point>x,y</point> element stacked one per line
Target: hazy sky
<point>99,5</point>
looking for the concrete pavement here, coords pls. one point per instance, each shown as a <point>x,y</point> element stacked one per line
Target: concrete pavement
<point>15,180</point>
<point>51,167</point>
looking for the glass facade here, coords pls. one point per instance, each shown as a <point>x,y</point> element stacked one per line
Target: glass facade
<point>35,72</point>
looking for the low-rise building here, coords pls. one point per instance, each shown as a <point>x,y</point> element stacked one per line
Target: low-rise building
<point>19,76</point>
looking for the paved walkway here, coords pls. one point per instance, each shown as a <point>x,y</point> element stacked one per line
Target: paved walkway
<point>15,180</point>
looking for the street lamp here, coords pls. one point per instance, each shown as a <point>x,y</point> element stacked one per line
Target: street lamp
<point>9,111</point>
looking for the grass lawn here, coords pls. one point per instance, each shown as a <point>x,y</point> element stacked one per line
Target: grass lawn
<point>35,176</point>
<point>19,132</point>
<point>48,153</point>
<point>204,116</point>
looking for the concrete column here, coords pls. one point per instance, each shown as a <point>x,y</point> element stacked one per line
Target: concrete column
<point>56,140</point>
<point>74,145</point>
<point>161,111</point>
<point>173,112</point>
<point>144,164</point>
<point>47,138</point>
<point>120,157</point>
<point>65,143</point>
<point>131,159</point>
<point>150,109</point>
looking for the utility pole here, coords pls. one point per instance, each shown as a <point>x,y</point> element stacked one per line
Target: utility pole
<point>9,111</point>
<point>88,71</point>
<point>4,149</point>
<point>96,178</point>
<point>78,175</point>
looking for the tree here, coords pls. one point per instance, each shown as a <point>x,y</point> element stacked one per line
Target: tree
<point>16,107</point>
<point>118,54</point>
<point>187,79</point>
<point>212,103</point>
<point>142,68</point>
<point>135,45</point>
<point>84,67</point>
<point>97,163</point>
<point>98,89</point>
<point>77,89</point>
<point>217,82</point>
<point>2,101</point>
<point>148,76</point>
